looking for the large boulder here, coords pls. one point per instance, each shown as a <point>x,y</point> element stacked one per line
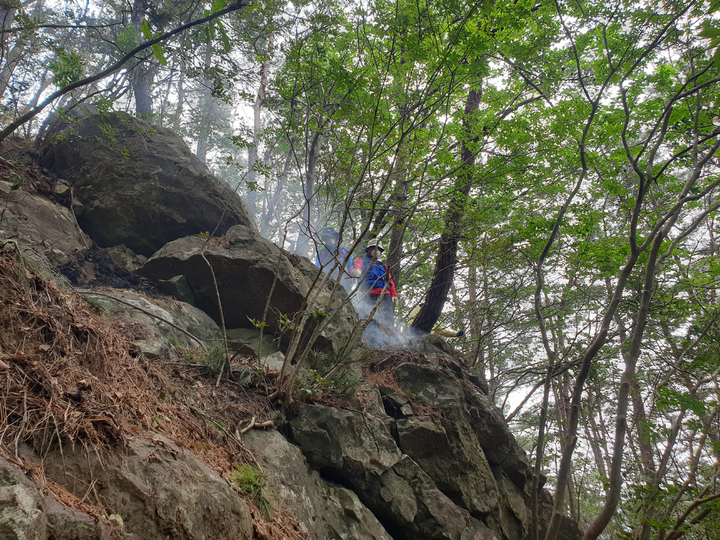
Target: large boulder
<point>159,490</point>
<point>443,390</point>
<point>429,453</point>
<point>244,266</point>
<point>323,509</point>
<point>137,184</point>
<point>157,326</point>
<point>452,457</point>
<point>44,230</point>
<point>465,446</point>
<point>26,513</point>
<point>357,449</point>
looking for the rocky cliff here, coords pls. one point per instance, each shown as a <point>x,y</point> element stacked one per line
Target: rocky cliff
<point>113,423</point>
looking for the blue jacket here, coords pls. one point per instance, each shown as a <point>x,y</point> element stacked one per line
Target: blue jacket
<point>374,277</point>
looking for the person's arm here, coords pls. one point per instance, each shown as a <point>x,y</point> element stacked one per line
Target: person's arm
<point>357,268</point>
<point>391,286</point>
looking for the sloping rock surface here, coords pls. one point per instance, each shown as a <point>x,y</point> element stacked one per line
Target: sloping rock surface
<point>462,403</point>
<point>44,230</point>
<point>27,514</point>
<point>138,184</point>
<point>323,509</point>
<point>244,265</point>
<point>429,454</point>
<point>157,326</point>
<point>158,489</point>
<point>466,447</point>
<point>356,448</point>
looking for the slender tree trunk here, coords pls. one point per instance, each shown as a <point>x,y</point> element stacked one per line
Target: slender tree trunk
<point>275,199</point>
<point>8,59</point>
<point>397,232</point>
<point>165,100</point>
<point>613,496</point>
<point>447,253</point>
<point>180,102</point>
<point>44,83</point>
<point>304,238</point>
<point>255,148</point>
<point>207,104</point>
<point>142,75</point>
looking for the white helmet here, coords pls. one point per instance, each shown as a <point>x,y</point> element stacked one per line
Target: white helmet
<point>374,242</point>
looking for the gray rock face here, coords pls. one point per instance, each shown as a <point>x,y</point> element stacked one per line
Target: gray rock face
<point>125,258</point>
<point>246,341</point>
<point>137,184</point>
<point>324,510</point>
<point>27,514</point>
<point>356,448</point>
<point>158,489</point>
<point>473,458</point>
<point>433,459</point>
<point>452,457</point>
<point>43,229</point>
<point>156,338</point>
<point>440,389</point>
<point>244,264</point>
<point>20,515</point>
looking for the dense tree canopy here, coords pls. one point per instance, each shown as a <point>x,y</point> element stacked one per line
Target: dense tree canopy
<point>544,175</point>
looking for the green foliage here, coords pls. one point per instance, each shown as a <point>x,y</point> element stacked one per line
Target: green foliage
<point>214,357</point>
<point>310,382</point>
<point>16,181</point>
<point>127,39</point>
<point>67,67</point>
<point>257,324</point>
<point>251,481</point>
<point>156,47</point>
<point>343,382</point>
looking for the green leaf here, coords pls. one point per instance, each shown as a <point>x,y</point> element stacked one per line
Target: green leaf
<point>159,54</point>
<point>145,27</point>
<point>218,5</point>
<point>67,67</point>
<point>224,37</point>
<point>16,180</point>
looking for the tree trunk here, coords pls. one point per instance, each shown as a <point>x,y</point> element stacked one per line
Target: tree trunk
<point>44,83</point>
<point>399,212</point>
<point>255,148</point>
<point>307,226</point>
<point>165,100</point>
<point>9,58</point>
<point>141,79</point>
<point>180,102</point>
<point>142,74</point>
<point>447,253</point>
<point>275,199</point>
<point>204,131</point>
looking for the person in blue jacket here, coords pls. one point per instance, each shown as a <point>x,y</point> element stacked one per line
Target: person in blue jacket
<point>332,255</point>
<point>376,284</point>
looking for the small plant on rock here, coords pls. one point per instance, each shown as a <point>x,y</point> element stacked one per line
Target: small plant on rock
<point>251,481</point>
